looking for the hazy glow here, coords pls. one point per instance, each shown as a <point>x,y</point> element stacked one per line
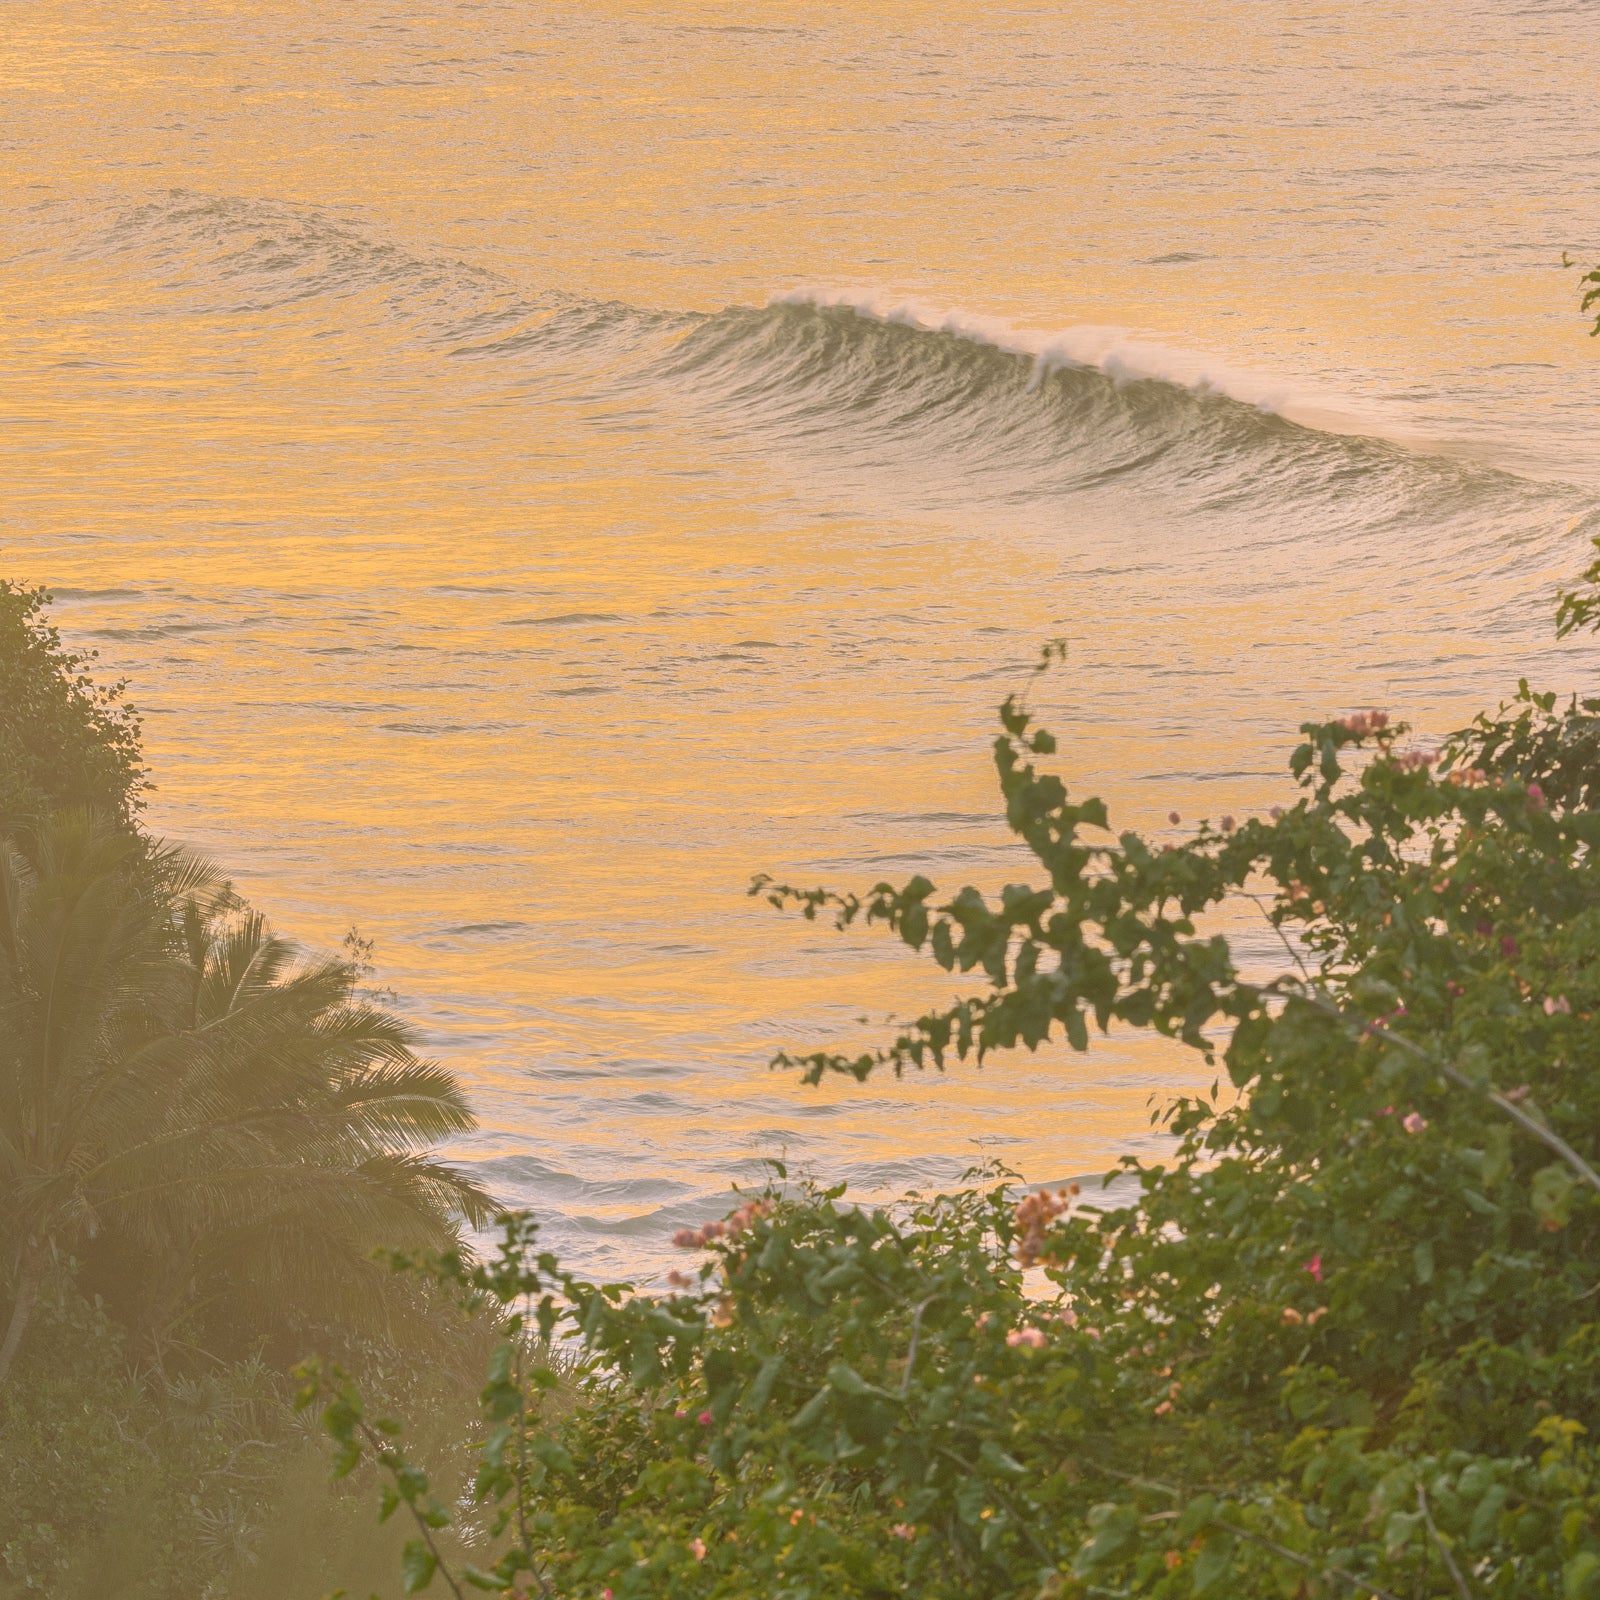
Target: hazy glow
<point>520,630</point>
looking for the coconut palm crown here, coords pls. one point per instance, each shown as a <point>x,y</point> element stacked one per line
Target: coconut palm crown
<point>214,1127</point>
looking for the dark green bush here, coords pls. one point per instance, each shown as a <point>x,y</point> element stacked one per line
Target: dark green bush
<point>65,740</point>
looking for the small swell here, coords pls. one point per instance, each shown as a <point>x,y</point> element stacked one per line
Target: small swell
<point>566,619</point>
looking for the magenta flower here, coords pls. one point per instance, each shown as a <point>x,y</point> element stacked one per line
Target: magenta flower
<point>1314,1266</point>
<point>705,1419</point>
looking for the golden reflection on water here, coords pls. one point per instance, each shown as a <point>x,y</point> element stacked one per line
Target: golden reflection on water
<point>524,665</point>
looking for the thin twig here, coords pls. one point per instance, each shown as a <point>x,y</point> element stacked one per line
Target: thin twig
<point>911,1353</point>
<point>388,1456</point>
<point>1544,1135</point>
<point>1444,1549</point>
<point>1277,928</point>
<point>1304,1561</point>
<point>1005,1500</point>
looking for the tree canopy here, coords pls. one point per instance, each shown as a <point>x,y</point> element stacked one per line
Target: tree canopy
<point>65,739</point>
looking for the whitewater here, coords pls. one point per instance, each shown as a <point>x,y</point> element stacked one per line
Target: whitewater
<point>526,504</point>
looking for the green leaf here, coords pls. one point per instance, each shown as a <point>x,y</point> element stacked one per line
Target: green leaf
<point>1198,1514</point>
<point>417,1566</point>
<point>388,1502</point>
<point>1580,1577</point>
<point>1482,1527</point>
<point>1115,1527</point>
<point>1215,1561</point>
<point>553,1454</point>
<point>995,1460</point>
<point>844,1379</point>
<point>1552,1196</point>
<point>1399,1531</point>
<point>760,1391</point>
<point>1422,1261</point>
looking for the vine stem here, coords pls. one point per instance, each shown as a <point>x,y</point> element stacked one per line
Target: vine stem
<point>385,1453</point>
<point>522,1474</point>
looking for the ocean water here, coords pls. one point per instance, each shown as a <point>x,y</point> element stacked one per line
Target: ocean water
<point>538,465</point>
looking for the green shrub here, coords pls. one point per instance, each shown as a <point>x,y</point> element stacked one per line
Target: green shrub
<point>1345,1340</point>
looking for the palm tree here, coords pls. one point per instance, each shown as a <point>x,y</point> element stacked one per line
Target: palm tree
<point>221,1131</point>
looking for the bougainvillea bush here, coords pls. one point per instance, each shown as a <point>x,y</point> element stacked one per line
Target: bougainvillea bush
<point>1345,1340</point>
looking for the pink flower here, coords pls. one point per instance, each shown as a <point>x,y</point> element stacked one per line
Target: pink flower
<point>704,1419</point>
<point>1559,1004</point>
<point>688,1238</point>
<point>605,1594</point>
<point>1031,1338</point>
<point>680,1413</point>
<point>1535,797</point>
<point>902,1530</point>
<point>1387,1111</point>
<point>1414,1122</point>
<point>1314,1266</point>
<point>697,1548</point>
